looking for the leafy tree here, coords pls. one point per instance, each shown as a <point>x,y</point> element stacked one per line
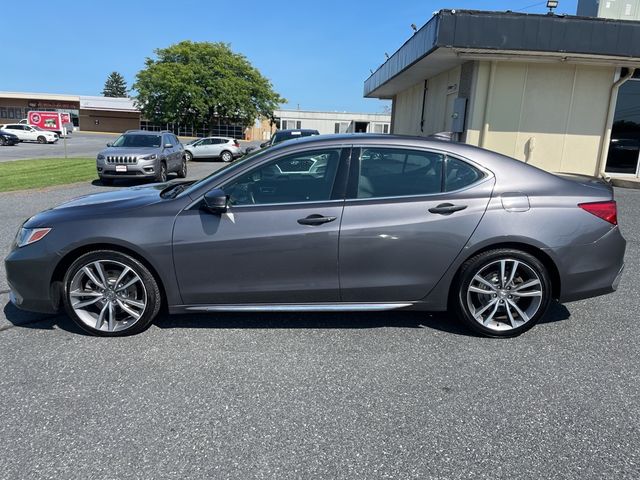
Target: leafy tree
<point>115,86</point>
<point>202,82</point>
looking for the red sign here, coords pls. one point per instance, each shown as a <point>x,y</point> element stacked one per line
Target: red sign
<point>66,118</point>
<point>46,120</point>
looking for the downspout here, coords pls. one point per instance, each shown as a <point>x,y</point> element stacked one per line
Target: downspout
<point>487,106</point>
<point>424,104</point>
<point>606,138</point>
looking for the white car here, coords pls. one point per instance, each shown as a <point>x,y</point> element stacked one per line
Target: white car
<point>224,148</point>
<point>30,133</point>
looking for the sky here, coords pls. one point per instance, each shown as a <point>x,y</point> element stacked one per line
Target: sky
<point>317,54</point>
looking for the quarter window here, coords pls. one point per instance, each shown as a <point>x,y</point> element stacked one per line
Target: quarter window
<point>386,172</point>
<point>297,178</point>
<point>460,174</point>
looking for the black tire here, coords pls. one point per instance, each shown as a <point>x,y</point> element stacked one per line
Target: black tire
<point>153,295</point>
<point>182,173</point>
<point>3,142</point>
<point>106,181</point>
<point>502,326</point>
<point>226,156</point>
<point>41,139</point>
<point>188,156</point>
<point>161,176</point>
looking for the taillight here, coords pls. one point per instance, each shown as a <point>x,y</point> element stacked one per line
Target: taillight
<point>607,211</point>
<point>236,143</point>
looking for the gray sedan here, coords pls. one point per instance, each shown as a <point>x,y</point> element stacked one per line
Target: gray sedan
<point>340,222</point>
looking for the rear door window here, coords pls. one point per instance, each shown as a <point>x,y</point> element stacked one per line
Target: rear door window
<point>395,172</point>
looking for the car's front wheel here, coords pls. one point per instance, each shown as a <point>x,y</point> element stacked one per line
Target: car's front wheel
<point>41,139</point>
<point>188,155</point>
<point>161,176</point>
<point>503,292</point>
<point>108,293</point>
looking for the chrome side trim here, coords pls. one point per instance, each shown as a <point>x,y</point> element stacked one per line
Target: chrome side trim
<point>298,307</point>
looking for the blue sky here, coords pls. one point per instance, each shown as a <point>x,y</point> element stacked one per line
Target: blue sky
<point>316,53</point>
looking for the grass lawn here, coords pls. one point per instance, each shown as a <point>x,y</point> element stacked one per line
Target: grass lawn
<point>44,172</point>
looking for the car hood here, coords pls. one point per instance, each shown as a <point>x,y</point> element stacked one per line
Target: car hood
<point>7,134</point>
<point>131,152</point>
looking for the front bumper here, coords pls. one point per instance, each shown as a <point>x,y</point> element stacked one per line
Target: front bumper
<point>29,271</point>
<point>132,171</point>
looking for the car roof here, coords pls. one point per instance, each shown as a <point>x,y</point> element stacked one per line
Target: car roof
<point>143,132</point>
<point>303,130</point>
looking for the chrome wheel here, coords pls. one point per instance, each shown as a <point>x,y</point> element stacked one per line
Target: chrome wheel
<point>226,156</point>
<point>505,294</point>
<point>107,295</point>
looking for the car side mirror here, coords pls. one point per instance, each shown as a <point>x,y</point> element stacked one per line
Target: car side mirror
<point>168,145</point>
<point>216,201</point>
<point>264,144</point>
<point>109,144</point>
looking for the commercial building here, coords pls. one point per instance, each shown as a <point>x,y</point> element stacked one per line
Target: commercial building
<point>324,122</point>
<point>559,92</point>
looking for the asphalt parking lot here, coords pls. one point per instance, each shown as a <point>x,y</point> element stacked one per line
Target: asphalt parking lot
<point>79,144</point>
<point>340,396</point>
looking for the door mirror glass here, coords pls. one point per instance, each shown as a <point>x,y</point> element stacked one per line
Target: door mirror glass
<point>109,144</point>
<point>168,145</point>
<point>216,201</point>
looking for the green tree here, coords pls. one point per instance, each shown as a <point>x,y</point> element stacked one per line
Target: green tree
<point>202,82</point>
<point>115,86</point>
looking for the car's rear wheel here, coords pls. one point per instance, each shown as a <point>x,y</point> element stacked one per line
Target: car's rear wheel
<point>226,156</point>
<point>41,139</point>
<point>182,173</point>
<point>161,176</point>
<point>502,293</point>
<point>111,294</point>
<point>188,156</point>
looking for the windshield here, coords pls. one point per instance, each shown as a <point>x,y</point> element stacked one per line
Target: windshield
<point>282,136</point>
<point>137,140</point>
<point>226,168</point>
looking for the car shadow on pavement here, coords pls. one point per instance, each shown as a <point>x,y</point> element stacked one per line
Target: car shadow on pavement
<point>441,321</point>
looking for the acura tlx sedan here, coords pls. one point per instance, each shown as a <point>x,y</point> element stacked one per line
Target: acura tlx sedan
<point>326,223</point>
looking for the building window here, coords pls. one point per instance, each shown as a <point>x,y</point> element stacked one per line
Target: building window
<point>341,127</point>
<point>291,124</point>
<point>381,128</point>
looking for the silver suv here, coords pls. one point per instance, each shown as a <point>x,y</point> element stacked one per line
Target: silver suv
<point>142,154</point>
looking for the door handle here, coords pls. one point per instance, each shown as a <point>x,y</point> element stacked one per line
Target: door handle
<point>447,208</point>
<point>315,220</point>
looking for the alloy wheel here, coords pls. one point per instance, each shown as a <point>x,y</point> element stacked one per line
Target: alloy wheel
<point>226,157</point>
<point>108,296</point>
<point>505,294</point>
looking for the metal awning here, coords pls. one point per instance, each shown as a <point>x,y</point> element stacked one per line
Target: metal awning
<point>452,37</point>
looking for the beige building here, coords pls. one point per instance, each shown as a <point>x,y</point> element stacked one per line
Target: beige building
<point>560,93</point>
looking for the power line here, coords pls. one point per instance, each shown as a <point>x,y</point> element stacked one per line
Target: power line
<point>530,6</point>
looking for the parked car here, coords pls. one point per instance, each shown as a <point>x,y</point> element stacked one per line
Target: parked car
<point>142,155</point>
<point>282,136</point>
<point>224,148</point>
<point>30,133</point>
<point>383,223</point>
<point>8,138</point>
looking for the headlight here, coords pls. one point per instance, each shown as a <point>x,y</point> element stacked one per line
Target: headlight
<point>100,156</point>
<point>27,236</point>
<point>153,156</point>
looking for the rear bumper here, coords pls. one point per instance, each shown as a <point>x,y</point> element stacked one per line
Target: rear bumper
<point>590,270</point>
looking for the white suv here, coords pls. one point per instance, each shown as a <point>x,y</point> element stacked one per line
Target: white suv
<point>30,133</point>
<point>213,147</point>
